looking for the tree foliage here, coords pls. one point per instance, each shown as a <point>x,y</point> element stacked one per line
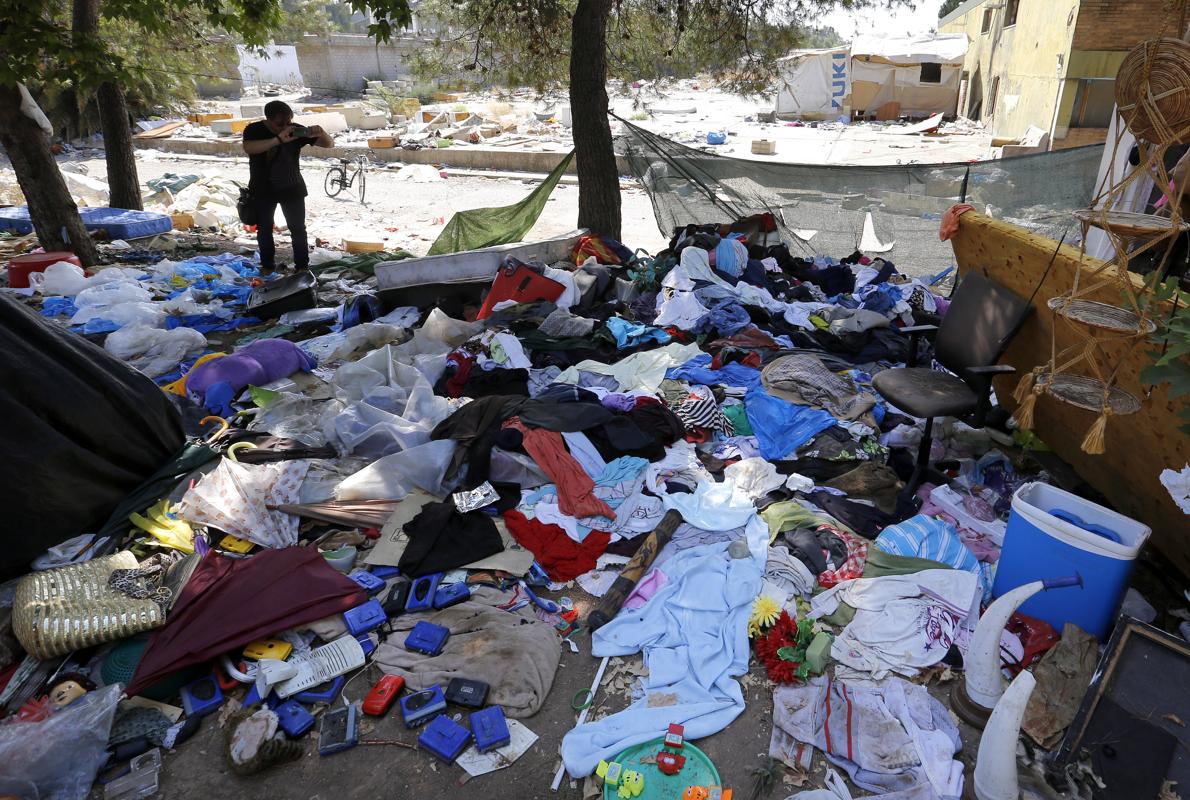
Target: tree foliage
<point>948,6</point>
<point>527,42</point>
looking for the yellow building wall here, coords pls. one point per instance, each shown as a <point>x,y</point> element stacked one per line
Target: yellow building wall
<point>1029,58</point>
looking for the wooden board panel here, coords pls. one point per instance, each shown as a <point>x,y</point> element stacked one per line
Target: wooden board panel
<point>1139,445</point>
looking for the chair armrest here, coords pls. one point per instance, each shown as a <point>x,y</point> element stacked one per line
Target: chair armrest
<point>915,333</point>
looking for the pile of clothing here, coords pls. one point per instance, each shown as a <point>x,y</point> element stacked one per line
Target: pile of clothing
<point>531,445</point>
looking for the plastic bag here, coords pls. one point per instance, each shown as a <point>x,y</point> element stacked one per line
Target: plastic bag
<point>63,279</point>
<point>154,351</point>
<point>394,476</point>
<point>442,328</point>
<point>294,416</point>
<point>338,346</point>
<point>395,406</point>
<point>61,755</point>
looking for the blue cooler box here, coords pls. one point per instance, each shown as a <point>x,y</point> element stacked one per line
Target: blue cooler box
<point>1052,534</point>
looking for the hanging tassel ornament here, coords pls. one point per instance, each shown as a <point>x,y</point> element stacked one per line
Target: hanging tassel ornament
<point>1095,444</point>
<point>1024,412</point>
<point>1025,387</point>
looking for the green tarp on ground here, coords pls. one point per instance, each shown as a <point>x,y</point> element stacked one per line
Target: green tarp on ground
<point>485,227</point>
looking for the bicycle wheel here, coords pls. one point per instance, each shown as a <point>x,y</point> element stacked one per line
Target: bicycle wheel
<point>360,176</point>
<point>335,178</point>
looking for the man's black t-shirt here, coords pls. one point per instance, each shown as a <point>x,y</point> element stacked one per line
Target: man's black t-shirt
<point>275,174</point>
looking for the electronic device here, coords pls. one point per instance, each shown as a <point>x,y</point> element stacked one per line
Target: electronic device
<point>420,707</point>
<point>300,131</point>
<point>428,638</point>
<point>451,594</point>
<point>444,738</point>
<point>383,695</point>
<point>384,573</point>
<point>367,643</point>
<point>367,581</point>
<point>268,648</point>
<point>490,729</point>
<point>466,693</point>
<point>325,662</point>
<point>293,718</point>
<point>339,731</point>
<point>202,696</point>
<point>421,594</point>
<point>324,693</point>
<point>234,544</point>
<point>364,617</point>
<point>398,596</point>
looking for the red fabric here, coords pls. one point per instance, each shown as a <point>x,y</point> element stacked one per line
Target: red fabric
<point>228,603</point>
<point>561,557</point>
<point>853,567</point>
<point>463,364</point>
<point>950,220</point>
<point>576,490</point>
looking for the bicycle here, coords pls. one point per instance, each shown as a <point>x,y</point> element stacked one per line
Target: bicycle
<point>337,178</point>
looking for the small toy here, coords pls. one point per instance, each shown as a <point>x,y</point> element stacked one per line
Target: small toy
<point>444,738</point>
<point>490,729</point>
<point>339,731</point>
<point>323,693</point>
<point>428,638</point>
<point>420,706</point>
<point>293,718</point>
<point>383,694</point>
<point>268,648</point>
<point>384,573</point>
<point>466,693</point>
<point>364,617</point>
<point>421,594</point>
<point>68,687</point>
<point>398,596</point>
<point>631,784</point>
<point>670,763</point>
<point>675,736</point>
<point>367,643</point>
<point>706,793</point>
<point>202,696</point>
<point>367,581</point>
<point>451,594</point>
<point>610,771</point>
<point>235,544</point>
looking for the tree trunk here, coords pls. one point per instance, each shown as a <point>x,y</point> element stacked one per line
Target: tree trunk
<point>598,178</point>
<point>55,216</point>
<point>122,181</point>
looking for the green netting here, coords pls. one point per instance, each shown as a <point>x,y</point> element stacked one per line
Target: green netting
<point>906,202</point>
<point>485,227</point>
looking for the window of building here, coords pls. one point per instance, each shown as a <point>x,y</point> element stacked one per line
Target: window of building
<point>987,21</point>
<point>931,72</point>
<point>1010,12</point>
<point>1094,101</point>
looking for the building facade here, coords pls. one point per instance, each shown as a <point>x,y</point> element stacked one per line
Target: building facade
<point>1051,64</point>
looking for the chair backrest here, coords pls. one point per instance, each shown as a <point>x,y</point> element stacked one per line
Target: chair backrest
<point>982,319</point>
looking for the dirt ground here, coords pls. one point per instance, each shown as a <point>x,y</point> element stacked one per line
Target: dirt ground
<point>198,770</point>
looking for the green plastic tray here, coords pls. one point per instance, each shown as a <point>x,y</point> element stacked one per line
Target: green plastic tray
<point>697,771</point>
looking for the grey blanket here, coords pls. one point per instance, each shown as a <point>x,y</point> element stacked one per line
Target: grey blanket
<point>513,652</point>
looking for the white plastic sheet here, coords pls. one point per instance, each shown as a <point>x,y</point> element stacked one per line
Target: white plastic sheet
<point>154,351</point>
<point>392,477</point>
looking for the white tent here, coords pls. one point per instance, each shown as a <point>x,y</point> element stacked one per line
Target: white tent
<point>919,74</point>
<point>814,84</point>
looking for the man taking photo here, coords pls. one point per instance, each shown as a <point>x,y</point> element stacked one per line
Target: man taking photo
<point>274,146</point>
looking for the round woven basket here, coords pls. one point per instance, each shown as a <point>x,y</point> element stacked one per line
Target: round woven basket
<point>1153,90</point>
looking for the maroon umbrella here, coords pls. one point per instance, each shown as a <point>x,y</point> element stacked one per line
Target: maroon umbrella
<point>228,603</point>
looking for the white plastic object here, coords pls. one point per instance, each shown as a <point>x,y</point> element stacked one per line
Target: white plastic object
<point>270,671</point>
<point>836,789</point>
<point>995,766</point>
<point>985,684</point>
<point>323,664</point>
<point>951,502</point>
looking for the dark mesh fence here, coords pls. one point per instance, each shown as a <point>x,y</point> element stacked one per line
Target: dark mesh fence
<point>906,202</point>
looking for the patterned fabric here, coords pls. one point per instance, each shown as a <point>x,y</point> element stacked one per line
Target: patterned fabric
<point>235,497</point>
<point>853,567</point>
<point>698,409</point>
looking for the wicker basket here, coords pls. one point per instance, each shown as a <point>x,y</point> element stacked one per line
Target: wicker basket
<point>69,608</point>
<point>1153,90</point>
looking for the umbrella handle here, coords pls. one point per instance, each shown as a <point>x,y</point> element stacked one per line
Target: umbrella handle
<point>224,427</point>
<point>231,451</point>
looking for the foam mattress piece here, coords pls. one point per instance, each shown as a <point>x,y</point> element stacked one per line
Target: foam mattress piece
<point>119,223</point>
